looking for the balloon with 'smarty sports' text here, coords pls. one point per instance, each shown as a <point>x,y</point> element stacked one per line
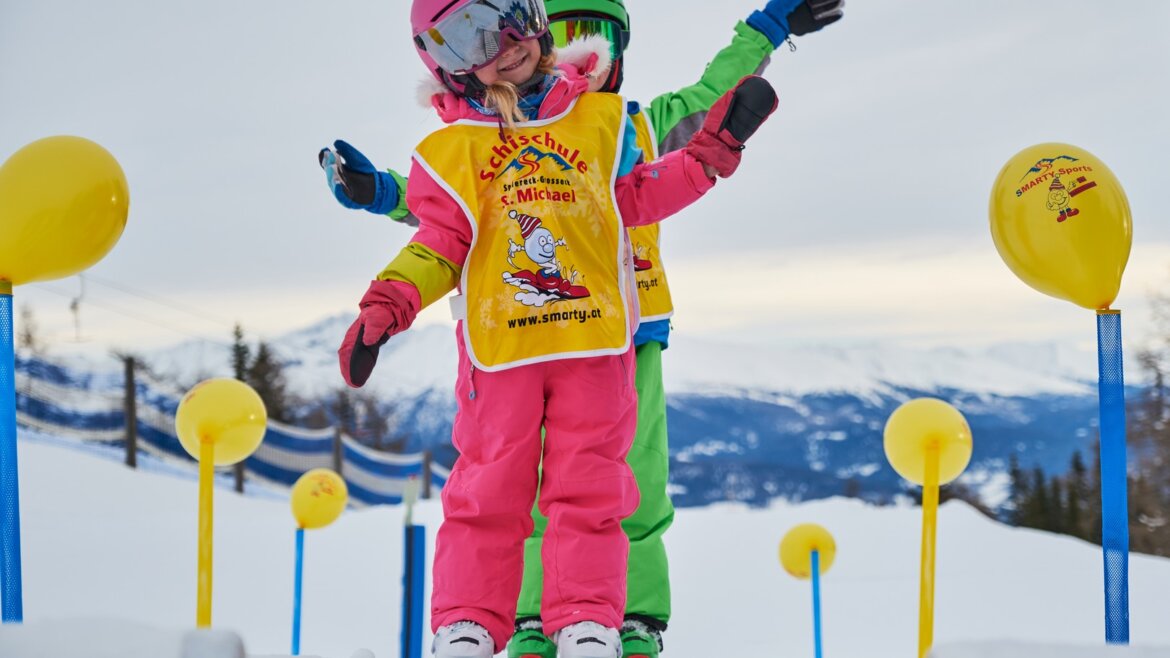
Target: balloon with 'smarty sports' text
<point>1061,222</point>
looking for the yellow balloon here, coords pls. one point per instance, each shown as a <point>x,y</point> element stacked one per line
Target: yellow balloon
<point>1061,222</point>
<point>919,425</point>
<point>63,206</point>
<point>797,546</point>
<point>318,498</point>
<point>225,412</point>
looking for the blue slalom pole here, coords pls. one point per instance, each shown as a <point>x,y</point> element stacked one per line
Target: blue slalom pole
<point>415,547</point>
<point>296,632</point>
<point>1114,479</point>
<point>816,587</point>
<point>414,564</point>
<point>11,607</point>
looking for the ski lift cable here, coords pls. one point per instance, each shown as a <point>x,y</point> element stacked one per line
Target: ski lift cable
<point>134,316</point>
<point>186,308</point>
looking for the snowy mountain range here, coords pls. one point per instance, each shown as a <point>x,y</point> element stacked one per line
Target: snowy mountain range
<point>751,423</point>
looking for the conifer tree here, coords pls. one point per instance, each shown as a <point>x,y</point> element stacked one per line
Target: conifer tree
<point>1020,493</point>
<point>266,376</point>
<point>1038,512</point>
<point>240,354</point>
<point>1076,493</point>
<point>263,372</point>
<point>1054,519</point>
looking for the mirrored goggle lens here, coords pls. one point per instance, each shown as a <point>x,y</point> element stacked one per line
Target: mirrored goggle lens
<point>471,38</point>
<point>566,30</point>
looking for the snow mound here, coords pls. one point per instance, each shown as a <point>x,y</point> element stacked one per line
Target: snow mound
<point>1014,650</point>
<point>98,637</point>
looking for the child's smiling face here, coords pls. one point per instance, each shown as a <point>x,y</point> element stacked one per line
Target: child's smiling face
<point>516,64</point>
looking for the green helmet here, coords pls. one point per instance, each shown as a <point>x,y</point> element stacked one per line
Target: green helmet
<point>615,9</point>
<point>571,19</point>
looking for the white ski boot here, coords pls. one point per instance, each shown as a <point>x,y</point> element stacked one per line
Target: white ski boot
<point>588,639</point>
<point>463,639</point>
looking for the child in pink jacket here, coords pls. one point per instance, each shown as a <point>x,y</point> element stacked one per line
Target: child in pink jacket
<point>523,201</point>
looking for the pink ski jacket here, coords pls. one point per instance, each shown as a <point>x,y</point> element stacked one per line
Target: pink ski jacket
<point>430,266</point>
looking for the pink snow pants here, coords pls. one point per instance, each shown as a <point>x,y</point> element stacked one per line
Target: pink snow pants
<point>588,409</point>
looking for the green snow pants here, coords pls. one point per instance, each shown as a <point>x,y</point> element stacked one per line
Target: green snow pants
<point>648,580</point>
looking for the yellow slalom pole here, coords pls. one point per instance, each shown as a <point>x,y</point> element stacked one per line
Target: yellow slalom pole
<point>206,491</point>
<point>929,533</point>
<point>219,420</point>
<point>928,442</point>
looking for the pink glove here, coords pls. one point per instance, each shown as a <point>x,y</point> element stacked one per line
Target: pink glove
<point>385,311</point>
<point>730,122</point>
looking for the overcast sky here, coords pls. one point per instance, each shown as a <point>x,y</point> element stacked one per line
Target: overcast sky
<point>860,212</point>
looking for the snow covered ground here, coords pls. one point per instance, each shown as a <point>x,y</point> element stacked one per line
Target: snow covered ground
<point>102,541</point>
<point>1030,650</point>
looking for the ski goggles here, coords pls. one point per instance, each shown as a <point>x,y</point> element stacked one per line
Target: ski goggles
<point>565,30</point>
<point>472,37</point>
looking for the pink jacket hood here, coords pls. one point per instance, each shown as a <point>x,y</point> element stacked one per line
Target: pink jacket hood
<point>581,66</point>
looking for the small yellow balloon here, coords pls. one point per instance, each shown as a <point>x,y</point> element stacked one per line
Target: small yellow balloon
<point>920,425</point>
<point>318,498</point>
<point>1061,222</point>
<point>797,546</point>
<point>225,412</point>
<point>63,206</point>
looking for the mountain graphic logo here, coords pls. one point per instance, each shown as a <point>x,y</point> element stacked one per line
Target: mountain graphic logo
<point>528,161</point>
<point>1044,164</point>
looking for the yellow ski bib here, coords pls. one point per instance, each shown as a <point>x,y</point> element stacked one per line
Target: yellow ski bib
<point>653,292</point>
<point>546,276</point>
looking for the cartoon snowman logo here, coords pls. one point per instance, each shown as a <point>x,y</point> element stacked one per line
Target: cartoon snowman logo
<point>1058,200</point>
<point>548,283</point>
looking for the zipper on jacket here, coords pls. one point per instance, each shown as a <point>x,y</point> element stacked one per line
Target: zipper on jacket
<point>471,380</point>
<point>625,371</point>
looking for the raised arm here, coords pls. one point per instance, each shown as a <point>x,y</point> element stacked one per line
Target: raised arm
<point>652,191</point>
<point>423,272</point>
<point>677,115</point>
<point>357,184</point>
